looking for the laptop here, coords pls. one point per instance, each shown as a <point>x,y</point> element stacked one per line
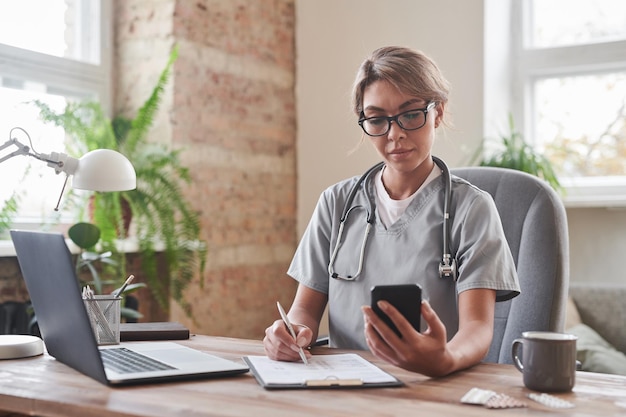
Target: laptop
<point>50,277</point>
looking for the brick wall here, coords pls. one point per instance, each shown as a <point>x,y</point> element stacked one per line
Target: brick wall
<point>230,105</point>
<point>12,286</point>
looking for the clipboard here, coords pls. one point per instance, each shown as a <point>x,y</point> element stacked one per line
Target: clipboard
<point>344,370</point>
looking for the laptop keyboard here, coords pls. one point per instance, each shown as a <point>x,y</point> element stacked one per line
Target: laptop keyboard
<point>125,361</point>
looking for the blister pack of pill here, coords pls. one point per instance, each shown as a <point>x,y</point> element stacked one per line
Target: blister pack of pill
<point>550,400</point>
<point>491,399</point>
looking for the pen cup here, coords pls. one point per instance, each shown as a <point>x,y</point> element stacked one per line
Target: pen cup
<point>104,315</point>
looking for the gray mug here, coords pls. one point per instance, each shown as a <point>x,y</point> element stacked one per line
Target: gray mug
<point>547,360</point>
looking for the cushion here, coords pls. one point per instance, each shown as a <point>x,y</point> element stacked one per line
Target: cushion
<point>572,317</point>
<point>595,353</point>
<point>602,307</point>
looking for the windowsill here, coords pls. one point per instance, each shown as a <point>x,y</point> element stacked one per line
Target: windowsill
<point>605,201</point>
<point>126,246</point>
<point>595,192</point>
<point>6,248</point>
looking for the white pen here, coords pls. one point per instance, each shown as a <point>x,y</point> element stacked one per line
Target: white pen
<point>123,287</point>
<point>119,292</point>
<point>283,315</point>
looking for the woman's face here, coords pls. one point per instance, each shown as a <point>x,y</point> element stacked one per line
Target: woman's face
<point>402,150</point>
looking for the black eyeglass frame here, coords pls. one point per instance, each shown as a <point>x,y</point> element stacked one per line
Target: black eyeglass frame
<point>396,119</point>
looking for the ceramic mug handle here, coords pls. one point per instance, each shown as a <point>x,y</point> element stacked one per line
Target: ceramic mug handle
<point>517,343</point>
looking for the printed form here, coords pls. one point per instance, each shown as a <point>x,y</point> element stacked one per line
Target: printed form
<point>347,369</point>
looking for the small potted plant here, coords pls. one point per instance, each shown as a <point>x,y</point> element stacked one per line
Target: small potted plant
<point>512,151</point>
<point>86,237</point>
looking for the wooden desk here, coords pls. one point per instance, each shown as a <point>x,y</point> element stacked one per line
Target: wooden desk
<point>44,387</point>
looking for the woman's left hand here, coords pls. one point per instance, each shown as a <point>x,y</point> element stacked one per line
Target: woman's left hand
<point>426,353</point>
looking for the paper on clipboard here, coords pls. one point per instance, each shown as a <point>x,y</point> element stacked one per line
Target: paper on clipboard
<point>323,371</point>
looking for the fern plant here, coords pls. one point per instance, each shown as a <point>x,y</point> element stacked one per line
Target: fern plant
<point>163,218</point>
<point>8,212</point>
<point>10,209</point>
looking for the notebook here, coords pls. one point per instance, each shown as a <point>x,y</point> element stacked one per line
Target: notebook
<point>167,330</point>
<point>48,271</point>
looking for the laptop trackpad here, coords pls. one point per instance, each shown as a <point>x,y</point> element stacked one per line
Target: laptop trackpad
<point>175,355</point>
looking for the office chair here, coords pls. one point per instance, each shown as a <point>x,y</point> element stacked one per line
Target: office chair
<point>535,225</point>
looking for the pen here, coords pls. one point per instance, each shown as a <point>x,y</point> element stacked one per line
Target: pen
<point>290,328</point>
<point>123,287</point>
<point>119,292</point>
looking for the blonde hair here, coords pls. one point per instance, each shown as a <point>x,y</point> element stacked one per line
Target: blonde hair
<point>410,71</point>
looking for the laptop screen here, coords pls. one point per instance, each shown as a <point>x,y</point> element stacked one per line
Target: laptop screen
<point>51,280</point>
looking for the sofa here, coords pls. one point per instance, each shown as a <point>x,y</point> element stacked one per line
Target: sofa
<point>597,315</point>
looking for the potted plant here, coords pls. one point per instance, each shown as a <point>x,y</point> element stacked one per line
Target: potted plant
<point>86,236</point>
<point>163,218</point>
<point>512,151</point>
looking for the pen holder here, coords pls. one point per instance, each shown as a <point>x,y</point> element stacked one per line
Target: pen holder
<point>104,315</point>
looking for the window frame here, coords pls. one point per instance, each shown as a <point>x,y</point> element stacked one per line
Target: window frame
<point>64,76</point>
<point>531,64</point>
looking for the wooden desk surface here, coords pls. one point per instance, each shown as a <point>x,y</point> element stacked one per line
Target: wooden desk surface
<point>44,387</point>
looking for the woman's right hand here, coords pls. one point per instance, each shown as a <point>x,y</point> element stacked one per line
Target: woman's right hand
<point>280,346</point>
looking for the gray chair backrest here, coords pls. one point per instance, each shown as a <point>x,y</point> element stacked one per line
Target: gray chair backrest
<point>535,225</point>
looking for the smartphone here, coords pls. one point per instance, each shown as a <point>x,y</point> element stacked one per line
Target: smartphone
<point>407,298</point>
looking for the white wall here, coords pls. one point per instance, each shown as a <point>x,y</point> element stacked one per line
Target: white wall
<point>597,244</point>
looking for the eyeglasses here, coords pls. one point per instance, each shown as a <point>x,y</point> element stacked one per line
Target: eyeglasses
<point>408,120</point>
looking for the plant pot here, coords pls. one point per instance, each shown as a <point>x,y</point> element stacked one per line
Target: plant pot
<point>127,214</point>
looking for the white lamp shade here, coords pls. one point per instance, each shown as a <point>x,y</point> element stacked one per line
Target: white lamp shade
<point>104,170</point>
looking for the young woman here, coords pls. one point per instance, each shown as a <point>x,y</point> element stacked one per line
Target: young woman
<point>399,98</point>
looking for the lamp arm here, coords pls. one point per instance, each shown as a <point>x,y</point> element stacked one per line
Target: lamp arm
<point>59,161</point>
<point>22,149</point>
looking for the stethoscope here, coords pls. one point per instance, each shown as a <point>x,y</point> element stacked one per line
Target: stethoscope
<point>447,266</point>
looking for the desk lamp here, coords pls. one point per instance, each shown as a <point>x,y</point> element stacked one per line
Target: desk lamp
<point>98,170</point>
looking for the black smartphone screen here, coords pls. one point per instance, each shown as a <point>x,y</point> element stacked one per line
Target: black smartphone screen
<point>407,298</point>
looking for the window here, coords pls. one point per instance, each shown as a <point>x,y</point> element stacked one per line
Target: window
<point>570,76</point>
<point>554,23</point>
<point>71,61</point>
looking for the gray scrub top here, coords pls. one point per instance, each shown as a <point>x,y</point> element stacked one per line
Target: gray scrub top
<point>409,251</point>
